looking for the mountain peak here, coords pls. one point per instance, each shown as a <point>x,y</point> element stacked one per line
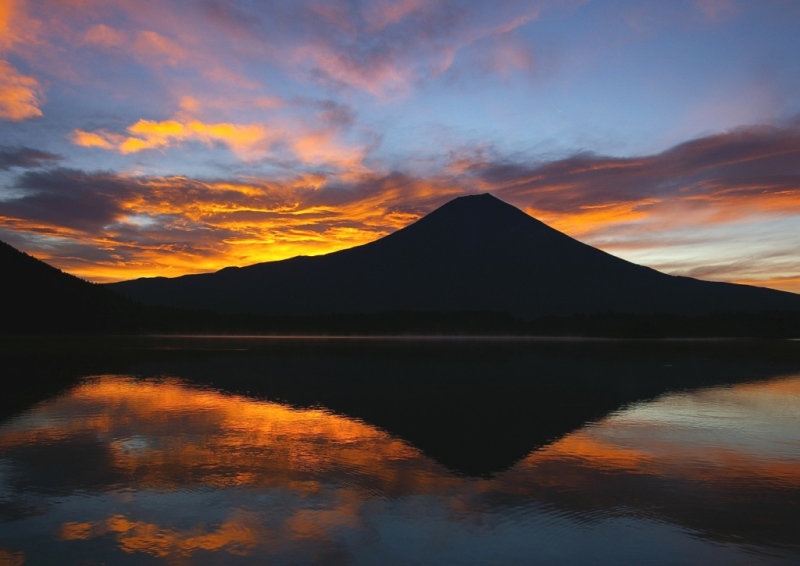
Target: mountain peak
<point>476,203</point>
<point>477,198</point>
<point>476,220</point>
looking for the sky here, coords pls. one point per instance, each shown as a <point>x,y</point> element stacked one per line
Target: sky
<point>166,137</point>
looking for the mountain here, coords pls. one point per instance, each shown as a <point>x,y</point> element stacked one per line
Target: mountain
<point>40,299</point>
<point>475,253</point>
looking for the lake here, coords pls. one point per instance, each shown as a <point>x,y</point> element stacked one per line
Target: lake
<point>248,450</point>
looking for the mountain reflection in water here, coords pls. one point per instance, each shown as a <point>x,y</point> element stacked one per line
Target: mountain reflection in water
<point>130,469</point>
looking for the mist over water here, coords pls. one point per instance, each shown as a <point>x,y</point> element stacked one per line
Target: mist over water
<point>228,451</point>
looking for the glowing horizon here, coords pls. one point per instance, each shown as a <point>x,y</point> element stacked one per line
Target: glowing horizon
<point>159,139</point>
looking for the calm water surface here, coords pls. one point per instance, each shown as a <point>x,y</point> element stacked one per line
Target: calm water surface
<point>161,465</point>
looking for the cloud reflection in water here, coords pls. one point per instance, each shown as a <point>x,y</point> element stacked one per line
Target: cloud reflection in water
<point>160,468</point>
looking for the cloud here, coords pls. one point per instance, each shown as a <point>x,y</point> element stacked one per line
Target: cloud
<point>14,24</point>
<point>221,49</point>
<point>315,139</point>
<point>382,13</point>
<point>25,158</point>
<point>147,46</point>
<point>104,36</point>
<point>20,95</point>
<point>650,208</point>
<point>102,140</point>
<point>382,48</point>
<point>147,225</point>
<point>718,178</point>
<point>716,10</point>
<point>67,198</point>
<point>242,139</point>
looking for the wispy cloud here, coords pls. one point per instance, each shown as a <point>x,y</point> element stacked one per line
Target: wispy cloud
<point>383,48</point>
<point>25,158</point>
<point>718,178</point>
<point>716,10</point>
<point>21,96</point>
<point>317,138</point>
<point>243,139</point>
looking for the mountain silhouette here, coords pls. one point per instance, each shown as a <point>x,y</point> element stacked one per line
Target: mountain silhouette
<point>474,253</point>
<point>41,299</point>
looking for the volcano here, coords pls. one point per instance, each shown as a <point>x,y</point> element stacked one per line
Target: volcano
<point>474,253</point>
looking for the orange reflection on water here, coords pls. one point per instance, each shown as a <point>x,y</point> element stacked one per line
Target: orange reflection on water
<point>581,447</point>
<point>327,472</point>
<point>693,436</point>
<point>11,558</point>
<point>233,439</point>
<point>240,535</point>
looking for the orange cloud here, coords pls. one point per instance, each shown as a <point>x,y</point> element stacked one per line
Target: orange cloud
<point>318,144</point>
<point>320,147</point>
<point>90,139</point>
<point>11,19</point>
<point>243,139</point>
<point>20,95</point>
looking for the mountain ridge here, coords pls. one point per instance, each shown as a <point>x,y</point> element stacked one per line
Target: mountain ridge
<point>474,253</point>
<point>42,299</point>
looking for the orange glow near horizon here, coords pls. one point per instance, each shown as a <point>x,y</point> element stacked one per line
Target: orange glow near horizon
<point>791,284</point>
<point>226,224</point>
<point>589,218</point>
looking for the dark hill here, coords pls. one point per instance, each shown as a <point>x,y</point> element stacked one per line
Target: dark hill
<point>475,253</point>
<point>40,299</point>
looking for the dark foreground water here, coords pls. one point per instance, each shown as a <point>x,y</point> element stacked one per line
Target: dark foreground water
<point>254,451</point>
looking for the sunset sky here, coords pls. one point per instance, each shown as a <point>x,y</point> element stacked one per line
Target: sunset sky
<point>163,137</point>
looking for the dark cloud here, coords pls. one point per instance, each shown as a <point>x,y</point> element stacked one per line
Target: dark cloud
<point>748,163</point>
<point>69,198</point>
<point>734,169</point>
<point>25,158</point>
